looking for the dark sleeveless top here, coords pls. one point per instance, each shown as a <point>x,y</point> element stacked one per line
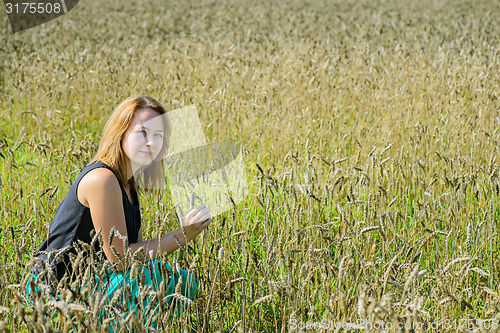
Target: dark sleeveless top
<point>72,222</point>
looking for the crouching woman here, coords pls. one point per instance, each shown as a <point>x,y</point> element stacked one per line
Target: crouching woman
<point>103,198</point>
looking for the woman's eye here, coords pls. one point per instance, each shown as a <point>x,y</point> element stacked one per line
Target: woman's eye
<point>159,135</point>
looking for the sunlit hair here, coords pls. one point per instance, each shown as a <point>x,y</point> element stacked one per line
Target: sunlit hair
<point>111,151</point>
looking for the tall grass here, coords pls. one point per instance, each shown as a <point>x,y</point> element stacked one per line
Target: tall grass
<point>371,139</point>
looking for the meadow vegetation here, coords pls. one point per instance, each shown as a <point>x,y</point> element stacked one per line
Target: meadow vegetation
<point>371,139</point>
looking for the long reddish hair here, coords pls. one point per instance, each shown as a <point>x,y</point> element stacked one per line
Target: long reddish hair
<point>110,149</point>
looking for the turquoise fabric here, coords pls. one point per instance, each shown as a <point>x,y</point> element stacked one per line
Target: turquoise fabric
<point>151,275</point>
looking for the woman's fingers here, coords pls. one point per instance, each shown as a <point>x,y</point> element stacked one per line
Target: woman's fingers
<point>200,220</point>
<point>198,215</point>
<point>195,211</point>
<point>202,215</point>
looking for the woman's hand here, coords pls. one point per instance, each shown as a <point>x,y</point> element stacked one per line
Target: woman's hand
<point>195,221</point>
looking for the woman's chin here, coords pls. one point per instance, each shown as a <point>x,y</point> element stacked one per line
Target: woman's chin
<point>141,163</point>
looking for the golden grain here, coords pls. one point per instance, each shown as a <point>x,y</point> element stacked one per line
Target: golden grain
<point>348,111</point>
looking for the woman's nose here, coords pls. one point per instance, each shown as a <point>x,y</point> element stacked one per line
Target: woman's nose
<point>149,140</point>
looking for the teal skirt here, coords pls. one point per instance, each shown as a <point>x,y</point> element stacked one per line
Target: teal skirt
<point>127,288</point>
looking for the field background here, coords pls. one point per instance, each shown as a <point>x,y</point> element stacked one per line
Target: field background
<point>375,125</point>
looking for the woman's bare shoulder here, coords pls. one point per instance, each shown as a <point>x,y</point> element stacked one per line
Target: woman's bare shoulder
<point>98,183</point>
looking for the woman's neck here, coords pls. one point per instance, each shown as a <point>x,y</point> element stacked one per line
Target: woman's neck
<point>130,172</point>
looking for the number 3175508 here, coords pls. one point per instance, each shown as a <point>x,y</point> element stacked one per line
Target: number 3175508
<point>33,8</point>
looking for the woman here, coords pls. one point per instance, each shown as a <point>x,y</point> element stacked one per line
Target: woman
<point>103,198</point>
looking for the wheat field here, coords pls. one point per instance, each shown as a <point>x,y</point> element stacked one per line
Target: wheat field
<point>370,132</point>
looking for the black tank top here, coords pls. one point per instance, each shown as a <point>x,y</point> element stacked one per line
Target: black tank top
<point>72,222</point>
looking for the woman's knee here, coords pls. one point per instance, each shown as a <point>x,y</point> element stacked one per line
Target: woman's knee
<point>191,287</point>
<point>31,284</point>
<point>188,287</point>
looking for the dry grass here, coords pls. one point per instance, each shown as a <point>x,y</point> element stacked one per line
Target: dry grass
<point>374,126</point>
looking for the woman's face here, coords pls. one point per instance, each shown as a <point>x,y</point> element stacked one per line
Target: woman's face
<point>143,139</point>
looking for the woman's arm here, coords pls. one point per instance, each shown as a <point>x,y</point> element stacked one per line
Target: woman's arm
<point>195,221</point>
<point>153,247</point>
<point>139,238</point>
<point>100,191</point>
